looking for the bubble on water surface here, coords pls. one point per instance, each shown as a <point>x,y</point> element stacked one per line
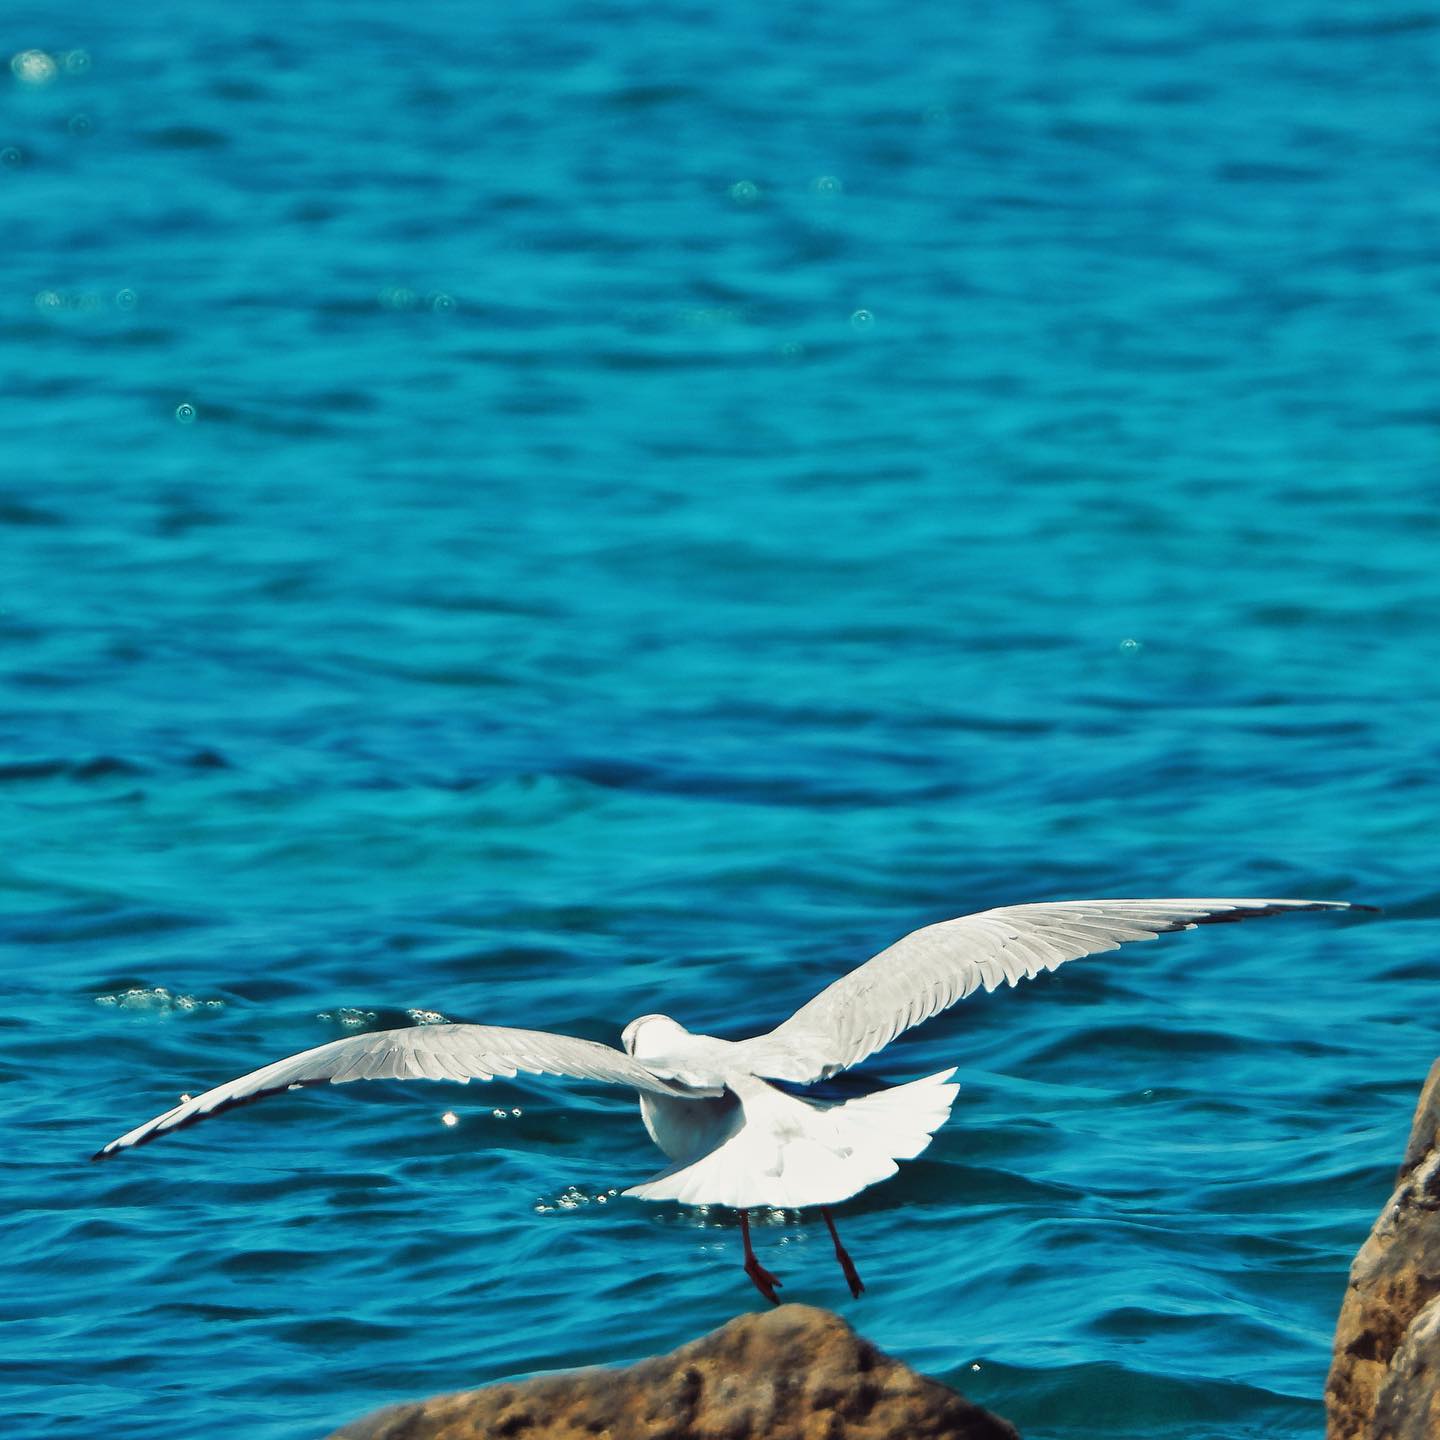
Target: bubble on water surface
<point>441,302</point>
<point>826,185</point>
<point>34,67</point>
<point>1130,646</point>
<point>350,1016</point>
<point>574,1197</point>
<point>185,413</point>
<point>427,1017</point>
<point>157,1000</point>
<point>80,124</point>
<point>449,1118</point>
<point>11,157</point>
<point>76,62</point>
<point>126,299</point>
<point>862,320</point>
<point>744,192</point>
<point>49,300</point>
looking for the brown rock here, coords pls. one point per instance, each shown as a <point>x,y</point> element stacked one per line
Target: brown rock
<point>1408,1405</point>
<point>795,1373</point>
<point>1386,1368</point>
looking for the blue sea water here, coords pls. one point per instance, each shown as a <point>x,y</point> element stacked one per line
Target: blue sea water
<point>544,513</point>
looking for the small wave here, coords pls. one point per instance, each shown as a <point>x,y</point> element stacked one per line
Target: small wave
<point>96,767</point>
<point>186,137</point>
<point>271,1261</point>
<point>85,923</point>
<point>1116,1040</point>
<point>1114,1397</point>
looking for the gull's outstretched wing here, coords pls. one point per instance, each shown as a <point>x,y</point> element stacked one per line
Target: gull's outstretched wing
<point>424,1052</point>
<point>930,969</point>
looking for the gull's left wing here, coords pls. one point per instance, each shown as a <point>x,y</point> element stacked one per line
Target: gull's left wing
<point>933,968</point>
<point>424,1052</point>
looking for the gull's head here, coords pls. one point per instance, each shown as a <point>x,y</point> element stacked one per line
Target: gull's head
<point>651,1035</point>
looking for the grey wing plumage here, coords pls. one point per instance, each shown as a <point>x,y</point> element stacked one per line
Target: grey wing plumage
<point>424,1052</point>
<point>933,968</point>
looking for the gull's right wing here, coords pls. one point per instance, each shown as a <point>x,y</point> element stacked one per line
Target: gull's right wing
<point>933,968</point>
<point>423,1052</point>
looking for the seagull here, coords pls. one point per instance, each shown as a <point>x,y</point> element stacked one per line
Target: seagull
<point>734,1135</point>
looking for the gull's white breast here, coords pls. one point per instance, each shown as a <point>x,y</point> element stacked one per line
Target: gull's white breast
<point>687,1129</point>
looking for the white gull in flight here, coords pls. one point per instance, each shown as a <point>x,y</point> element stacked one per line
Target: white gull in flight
<point>735,1138</point>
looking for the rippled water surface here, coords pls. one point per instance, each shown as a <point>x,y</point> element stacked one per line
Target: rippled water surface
<point>544,513</point>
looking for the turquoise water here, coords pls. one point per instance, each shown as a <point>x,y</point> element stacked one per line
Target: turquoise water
<point>548,513</point>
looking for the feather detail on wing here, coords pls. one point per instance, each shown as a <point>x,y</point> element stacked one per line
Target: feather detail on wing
<point>424,1052</point>
<point>933,968</point>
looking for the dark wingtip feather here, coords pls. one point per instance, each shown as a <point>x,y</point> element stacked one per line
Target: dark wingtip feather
<point>194,1119</point>
<point>1260,912</point>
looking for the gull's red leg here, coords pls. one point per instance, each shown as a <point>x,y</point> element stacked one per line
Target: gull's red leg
<point>764,1281</point>
<point>852,1276</point>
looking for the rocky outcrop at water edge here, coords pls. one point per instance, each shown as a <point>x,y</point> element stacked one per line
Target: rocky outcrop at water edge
<point>795,1373</point>
<point>1385,1375</point>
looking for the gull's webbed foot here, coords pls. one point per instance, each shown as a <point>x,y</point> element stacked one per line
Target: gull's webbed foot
<point>764,1281</point>
<point>852,1275</point>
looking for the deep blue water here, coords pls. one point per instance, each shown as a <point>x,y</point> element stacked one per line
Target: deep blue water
<point>544,513</point>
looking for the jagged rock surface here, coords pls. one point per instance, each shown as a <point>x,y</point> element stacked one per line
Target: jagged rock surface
<point>1385,1377</point>
<point>795,1373</point>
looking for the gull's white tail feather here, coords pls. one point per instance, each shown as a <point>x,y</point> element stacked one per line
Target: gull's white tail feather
<point>791,1152</point>
<point>904,1118</point>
